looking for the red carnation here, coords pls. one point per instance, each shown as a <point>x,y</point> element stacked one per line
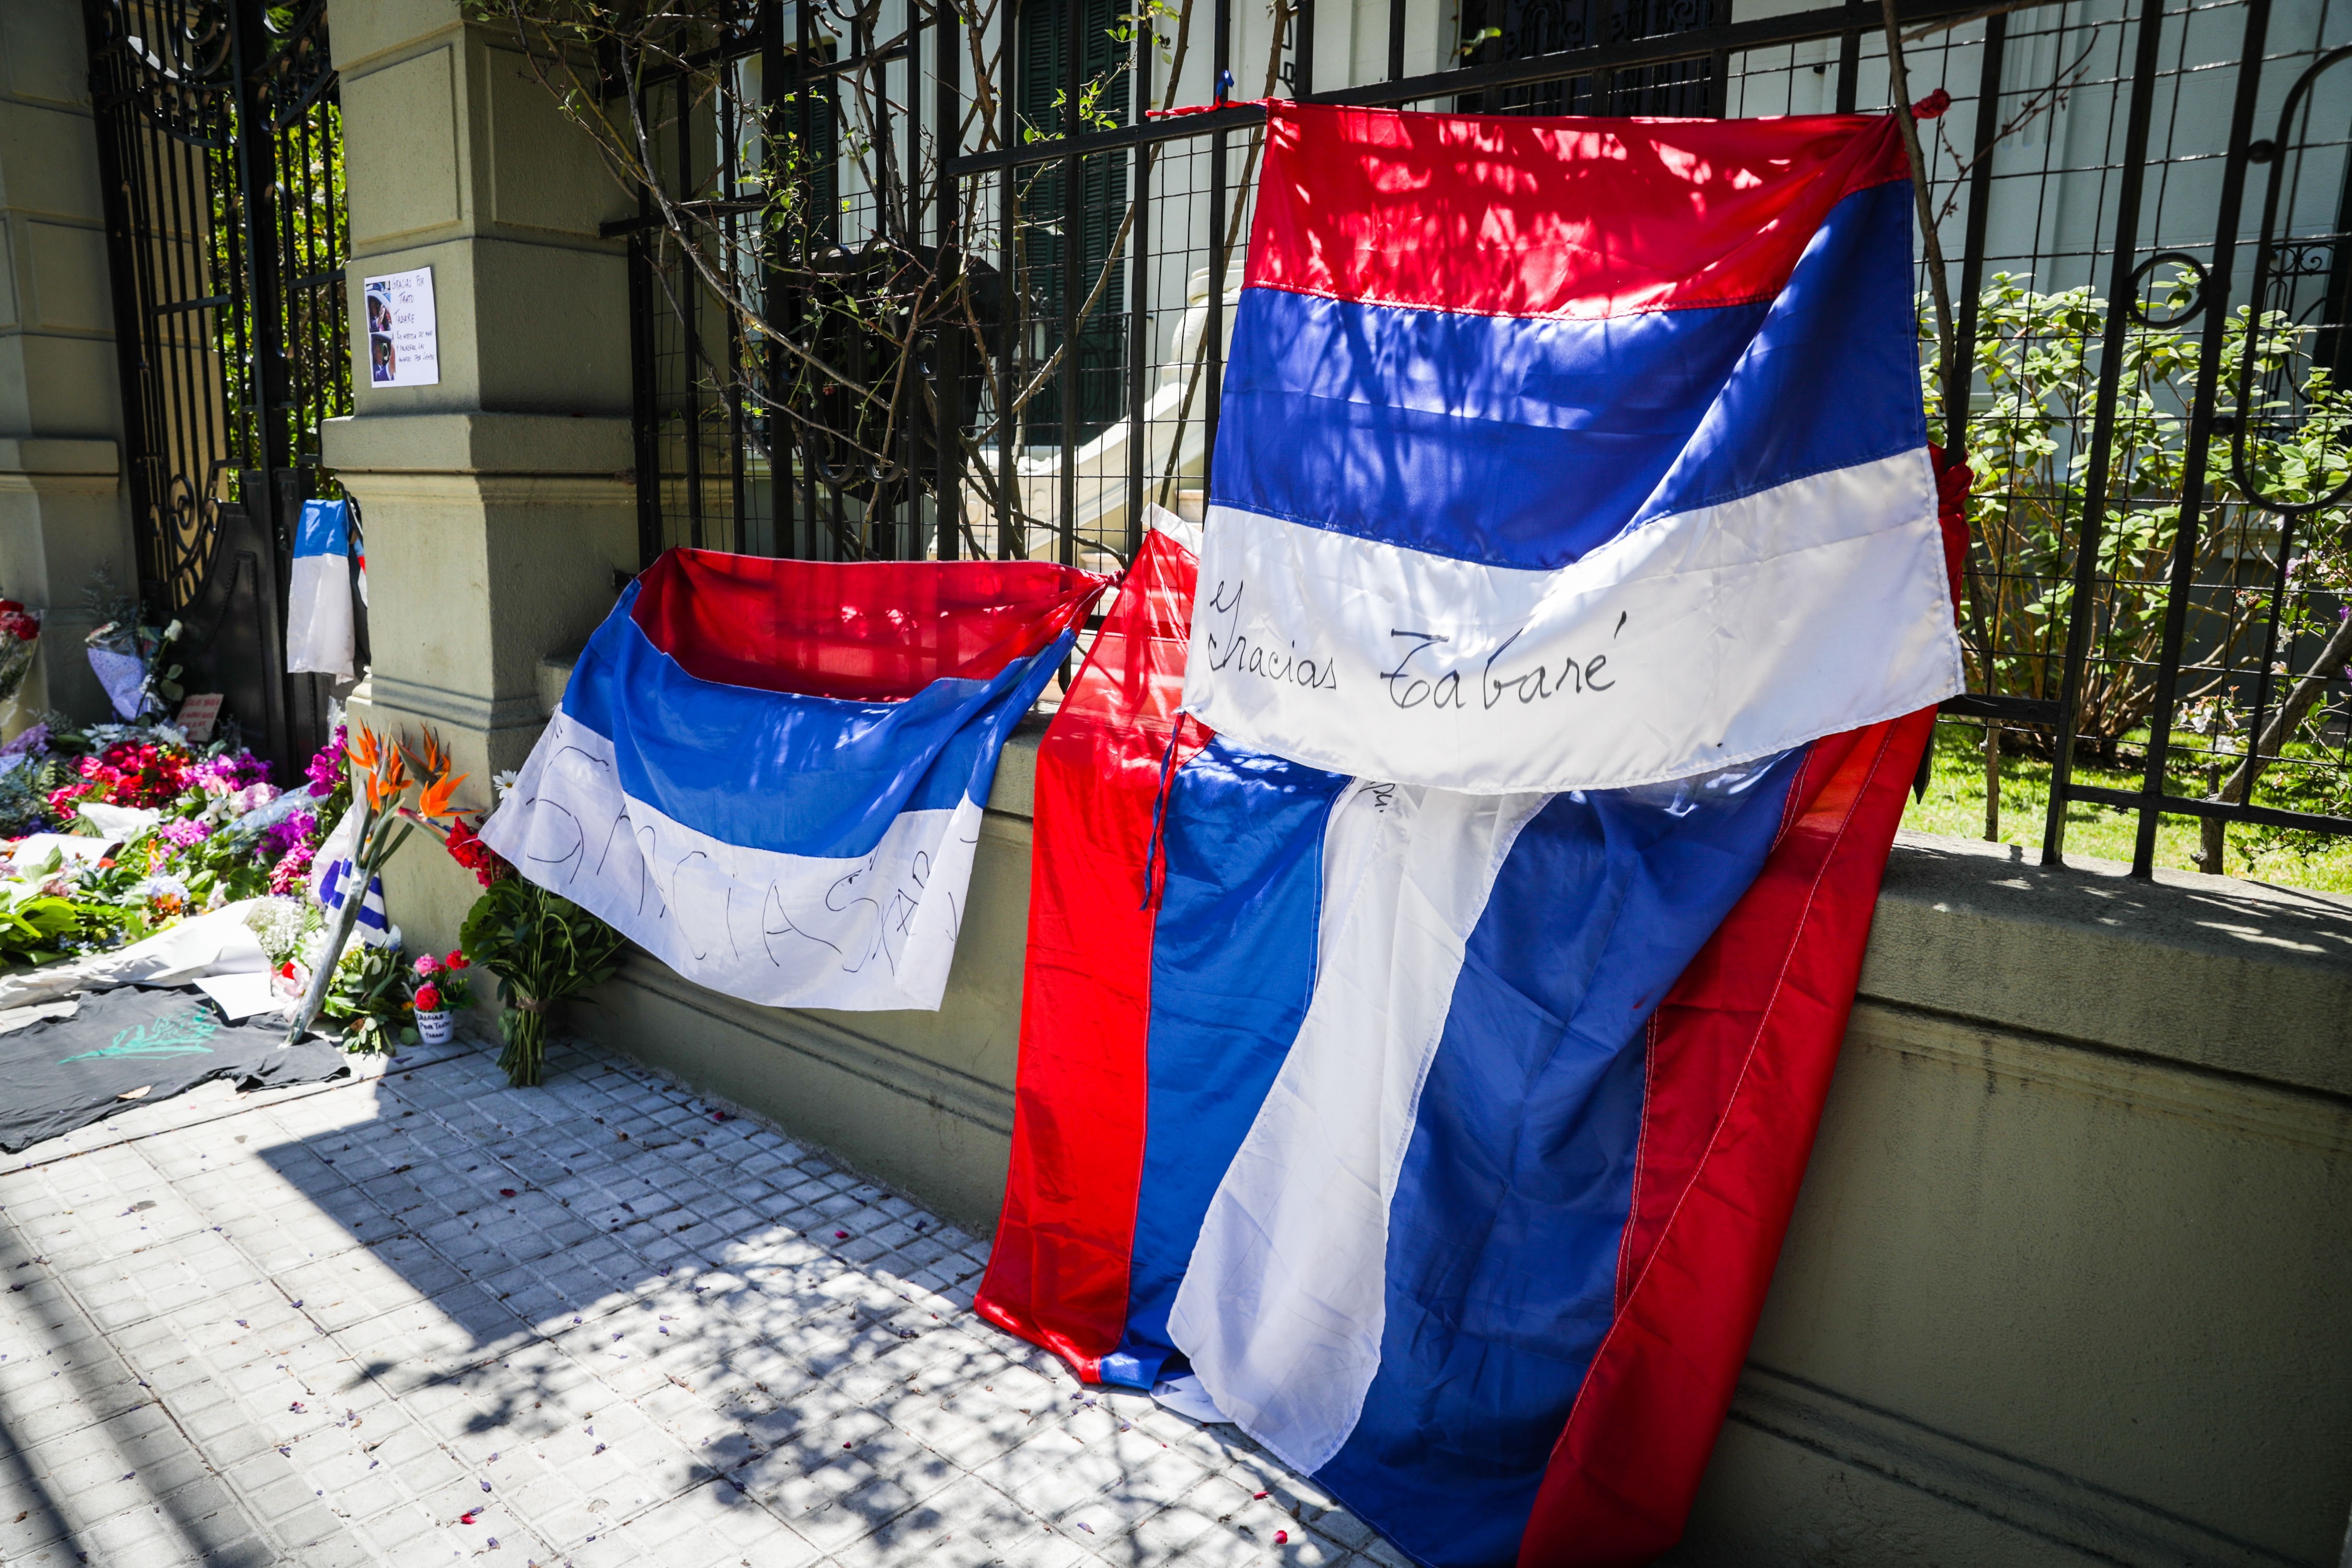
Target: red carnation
<point>428,998</point>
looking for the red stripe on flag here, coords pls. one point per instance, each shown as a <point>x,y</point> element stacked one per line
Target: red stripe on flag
<point>1573,218</point>
<point>1057,1272</point>
<point>1742,1054</point>
<point>872,631</point>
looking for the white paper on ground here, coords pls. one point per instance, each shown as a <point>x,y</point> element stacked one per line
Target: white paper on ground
<point>244,995</point>
<point>120,821</point>
<point>219,942</point>
<point>71,848</point>
<point>1183,1394</point>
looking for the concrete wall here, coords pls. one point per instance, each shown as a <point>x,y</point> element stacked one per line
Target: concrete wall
<point>63,506</point>
<point>500,503</point>
<point>2071,1279</point>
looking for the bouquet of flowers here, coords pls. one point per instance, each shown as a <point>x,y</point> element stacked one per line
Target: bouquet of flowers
<point>442,985</point>
<point>366,997</point>
<point>545,948</point>
<point>380,770</point>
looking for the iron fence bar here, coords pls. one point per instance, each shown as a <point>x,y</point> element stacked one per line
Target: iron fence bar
<point>2009,710</point>
<point>2287,513</point>
<point>644,441</point>
<point>908,545</point>
<point>2229,811</point>
<point>1138,433</point>
<point>1302,50</point>
<point>1013,322</point>
<point>2082,605</point>
<point>729,175</point>
<point>804,116</point>
<point>123,279</point>
<point>1849,82</point>
<point>947,421</point>
<point>1396,40</point>
<point>1665,49</point>
<point>1959,390</point>
<point>783,520</point>
<point>1073,42</point>
<point>1214,345</point>
<point>2213,299</point>
<point>256,213</point>
<point>690,329</point>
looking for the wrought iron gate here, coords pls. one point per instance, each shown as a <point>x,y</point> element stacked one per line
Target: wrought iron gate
<point>220,146</point>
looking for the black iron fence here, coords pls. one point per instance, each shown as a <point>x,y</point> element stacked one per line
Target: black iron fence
<point>220,149</point>
<point>2145,207</point>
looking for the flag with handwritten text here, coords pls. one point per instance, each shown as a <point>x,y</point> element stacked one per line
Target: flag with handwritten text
<point>1570,454</point>
<point>1442,1141</point>
<point>770,773</point>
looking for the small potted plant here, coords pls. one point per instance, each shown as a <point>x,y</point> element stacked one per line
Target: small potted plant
<point>443,988</point>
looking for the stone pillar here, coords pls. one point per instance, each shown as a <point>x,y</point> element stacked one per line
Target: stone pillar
<point>498,505</point>
<point>63,506</point>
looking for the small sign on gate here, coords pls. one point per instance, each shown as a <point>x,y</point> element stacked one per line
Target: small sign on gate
<point>404,343</point>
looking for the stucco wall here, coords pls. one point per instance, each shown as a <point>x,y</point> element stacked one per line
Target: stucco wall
<point>2071,1279</point>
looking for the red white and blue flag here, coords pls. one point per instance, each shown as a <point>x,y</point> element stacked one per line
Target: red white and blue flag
<point>770,773</point>
<point>1570,454</point>
<point>1447,1137</point>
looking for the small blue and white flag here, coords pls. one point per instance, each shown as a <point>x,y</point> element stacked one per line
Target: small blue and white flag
<point>319,594</point>
<point>770,773</point>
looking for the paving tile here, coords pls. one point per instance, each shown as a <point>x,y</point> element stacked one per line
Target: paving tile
<point>351,1309</point>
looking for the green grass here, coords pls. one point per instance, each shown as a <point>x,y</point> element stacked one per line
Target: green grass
<point>1955,805</point>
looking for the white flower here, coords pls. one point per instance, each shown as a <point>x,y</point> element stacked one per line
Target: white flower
<point>504,783</point>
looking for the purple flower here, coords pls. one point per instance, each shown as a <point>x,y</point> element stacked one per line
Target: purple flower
<point>29,742</point>
<point>282,836</point>
<point>184,834</point>
<point>326,769</point>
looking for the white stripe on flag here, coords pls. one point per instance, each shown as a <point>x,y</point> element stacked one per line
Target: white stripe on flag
<point>319,635</point>
<point>1715,636</point>
<point>872,931</point>
<point>1282,1307</point>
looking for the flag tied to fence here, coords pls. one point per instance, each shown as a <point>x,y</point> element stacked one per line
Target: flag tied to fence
<point>318,626</point>
<point>1427,1063</point>
<point>1566,454</point>
<point>770,773</point>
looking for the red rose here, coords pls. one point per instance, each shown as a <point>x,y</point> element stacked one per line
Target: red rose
<point>456,960</point>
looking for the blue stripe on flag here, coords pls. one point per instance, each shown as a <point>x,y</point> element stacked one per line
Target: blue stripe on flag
<point>1510,1209</point>
<point>1232,967</point>
<point>794,774</point>
<point>324,529</point>
<point>1528,444</point>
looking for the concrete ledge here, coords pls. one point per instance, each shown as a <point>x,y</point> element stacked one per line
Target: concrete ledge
<point>2240,977</point>
<point>1795,1459</point>
<point>55,455</point>
<point>479,444</point>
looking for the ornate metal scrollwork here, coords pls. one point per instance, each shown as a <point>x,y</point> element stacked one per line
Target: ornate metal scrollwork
<point>300,69</point>
<point>175,61</point>
<point>2277,259</point>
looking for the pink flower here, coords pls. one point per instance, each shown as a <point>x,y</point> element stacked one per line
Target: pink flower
<point>427,964</point>
<point>253,797</point>
<point>292,871</point>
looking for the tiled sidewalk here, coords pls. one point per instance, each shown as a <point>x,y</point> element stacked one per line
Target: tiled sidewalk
<point>423,1317</point>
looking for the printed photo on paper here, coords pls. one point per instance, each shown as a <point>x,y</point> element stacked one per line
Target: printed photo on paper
<point>403,347</point>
